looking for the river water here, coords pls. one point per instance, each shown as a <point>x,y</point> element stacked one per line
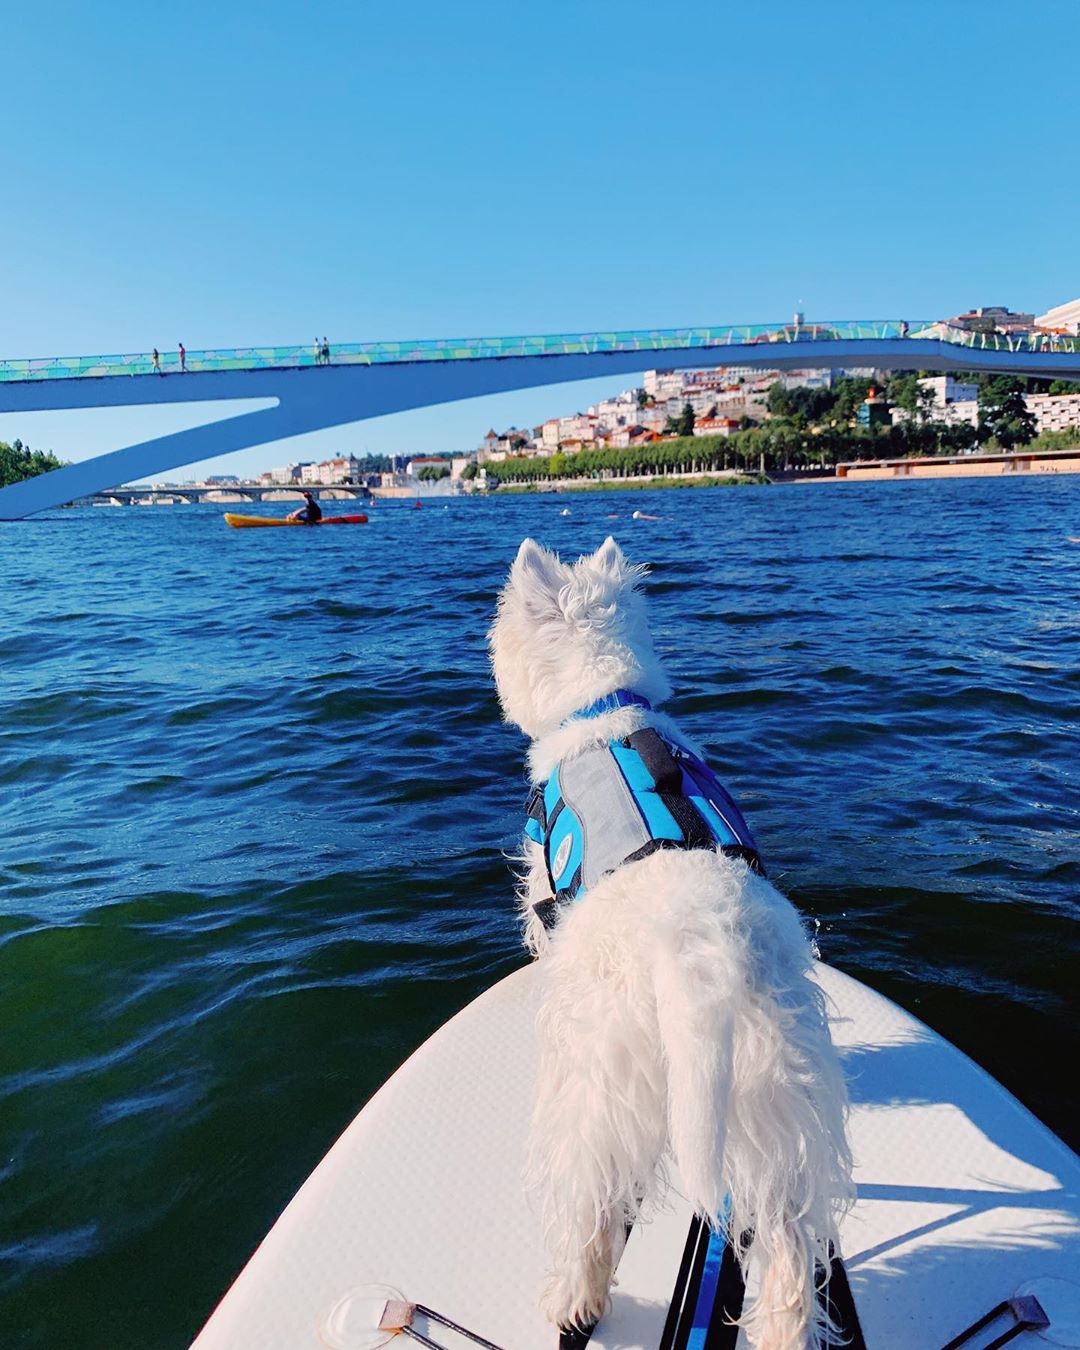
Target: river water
<point>256,798</point>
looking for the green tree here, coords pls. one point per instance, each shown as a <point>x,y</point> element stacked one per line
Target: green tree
<point>848,393</point>
<point>18,461</point>
<point>925,403</point>
<point>777,401</point>
<point>957,437</point>
<point>995,389</point>
<point>685,424</point>
<point>811,404</point>
<point>902,389</point>
<point>1008,421</point>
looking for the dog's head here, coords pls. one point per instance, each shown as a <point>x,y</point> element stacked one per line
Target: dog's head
<point>566,634</point>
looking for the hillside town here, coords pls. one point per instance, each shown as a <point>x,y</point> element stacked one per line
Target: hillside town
<point>713,405</point>
<point>713,402</point>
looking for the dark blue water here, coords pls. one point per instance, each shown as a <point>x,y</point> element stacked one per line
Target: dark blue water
<point>256,796</point>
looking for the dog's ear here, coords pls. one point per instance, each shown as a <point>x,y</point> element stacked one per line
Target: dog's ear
<point>538,575</point>
<point>609,557</point>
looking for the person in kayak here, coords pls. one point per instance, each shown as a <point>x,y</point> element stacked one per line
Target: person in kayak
<point>310,513</point>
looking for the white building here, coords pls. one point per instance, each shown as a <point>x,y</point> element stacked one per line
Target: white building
<point>953,414</point>
<point>953,403</point>
<point>652,419</point>
<point>580,427</point>
<point>311,473</point>
<point>1054,412</point>
<point>715,426</point>
<point>947,390</point>
<point>663,384</point>
<point>340,469</point>
<point>806,379</point>
<point>620,411</point>
<point>731,375</point>
<point>1065,316</point>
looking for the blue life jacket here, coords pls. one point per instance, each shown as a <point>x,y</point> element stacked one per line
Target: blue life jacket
<point>616,802</point>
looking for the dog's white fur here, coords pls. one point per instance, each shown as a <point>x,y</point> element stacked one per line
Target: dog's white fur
<point>678,1010</point>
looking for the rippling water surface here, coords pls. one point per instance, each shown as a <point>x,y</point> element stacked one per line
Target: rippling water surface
<point>256,797</point>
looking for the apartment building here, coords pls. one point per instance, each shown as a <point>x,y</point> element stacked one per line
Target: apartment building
<point>1054,412</point>
<point>288,473</point>
<point>946,389</point>
<point>340,469</point>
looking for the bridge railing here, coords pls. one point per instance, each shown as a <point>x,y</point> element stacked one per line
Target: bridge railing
<point>568,344</point>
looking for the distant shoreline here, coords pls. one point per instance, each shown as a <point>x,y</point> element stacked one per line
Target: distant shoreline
<point>1016,464</point>
<point>629,484</point>
<point>1013,465</point>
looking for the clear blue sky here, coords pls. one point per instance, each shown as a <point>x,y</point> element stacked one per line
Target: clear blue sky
<point>223,174</point>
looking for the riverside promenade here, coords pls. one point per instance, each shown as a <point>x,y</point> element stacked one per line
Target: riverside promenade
<point>963,466</point>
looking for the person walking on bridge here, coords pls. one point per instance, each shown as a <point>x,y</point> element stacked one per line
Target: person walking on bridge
<point>183,358</point>
<point>155,361</point>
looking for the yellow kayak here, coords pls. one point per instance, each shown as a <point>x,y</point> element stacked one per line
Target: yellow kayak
<point>249,522</point>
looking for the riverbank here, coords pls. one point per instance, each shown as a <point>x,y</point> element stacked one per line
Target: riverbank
<point>640,484</point>
<point>1016,464</point>
<point>1020,463</point>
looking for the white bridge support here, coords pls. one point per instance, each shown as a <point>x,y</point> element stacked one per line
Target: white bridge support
<point>312,398</point>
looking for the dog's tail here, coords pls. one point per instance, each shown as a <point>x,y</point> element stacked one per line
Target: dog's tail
<point>756,1100</point>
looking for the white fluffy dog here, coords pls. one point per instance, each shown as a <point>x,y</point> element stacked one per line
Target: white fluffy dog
<point>678,1010</point>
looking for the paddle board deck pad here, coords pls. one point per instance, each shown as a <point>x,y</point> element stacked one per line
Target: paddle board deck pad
<point>964,1201</point>
<point>249,522</point>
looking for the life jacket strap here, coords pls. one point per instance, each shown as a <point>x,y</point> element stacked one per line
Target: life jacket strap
<point>619,698</point>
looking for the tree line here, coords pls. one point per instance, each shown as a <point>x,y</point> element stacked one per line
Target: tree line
<point>18,461</point>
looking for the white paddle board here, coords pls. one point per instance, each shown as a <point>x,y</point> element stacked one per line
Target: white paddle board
<point>964,1198</point>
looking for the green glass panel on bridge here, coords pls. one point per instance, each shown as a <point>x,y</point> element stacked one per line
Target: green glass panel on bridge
<point>563,344</point>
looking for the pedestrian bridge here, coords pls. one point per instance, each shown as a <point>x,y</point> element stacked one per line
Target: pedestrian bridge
<point>310,389</point>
